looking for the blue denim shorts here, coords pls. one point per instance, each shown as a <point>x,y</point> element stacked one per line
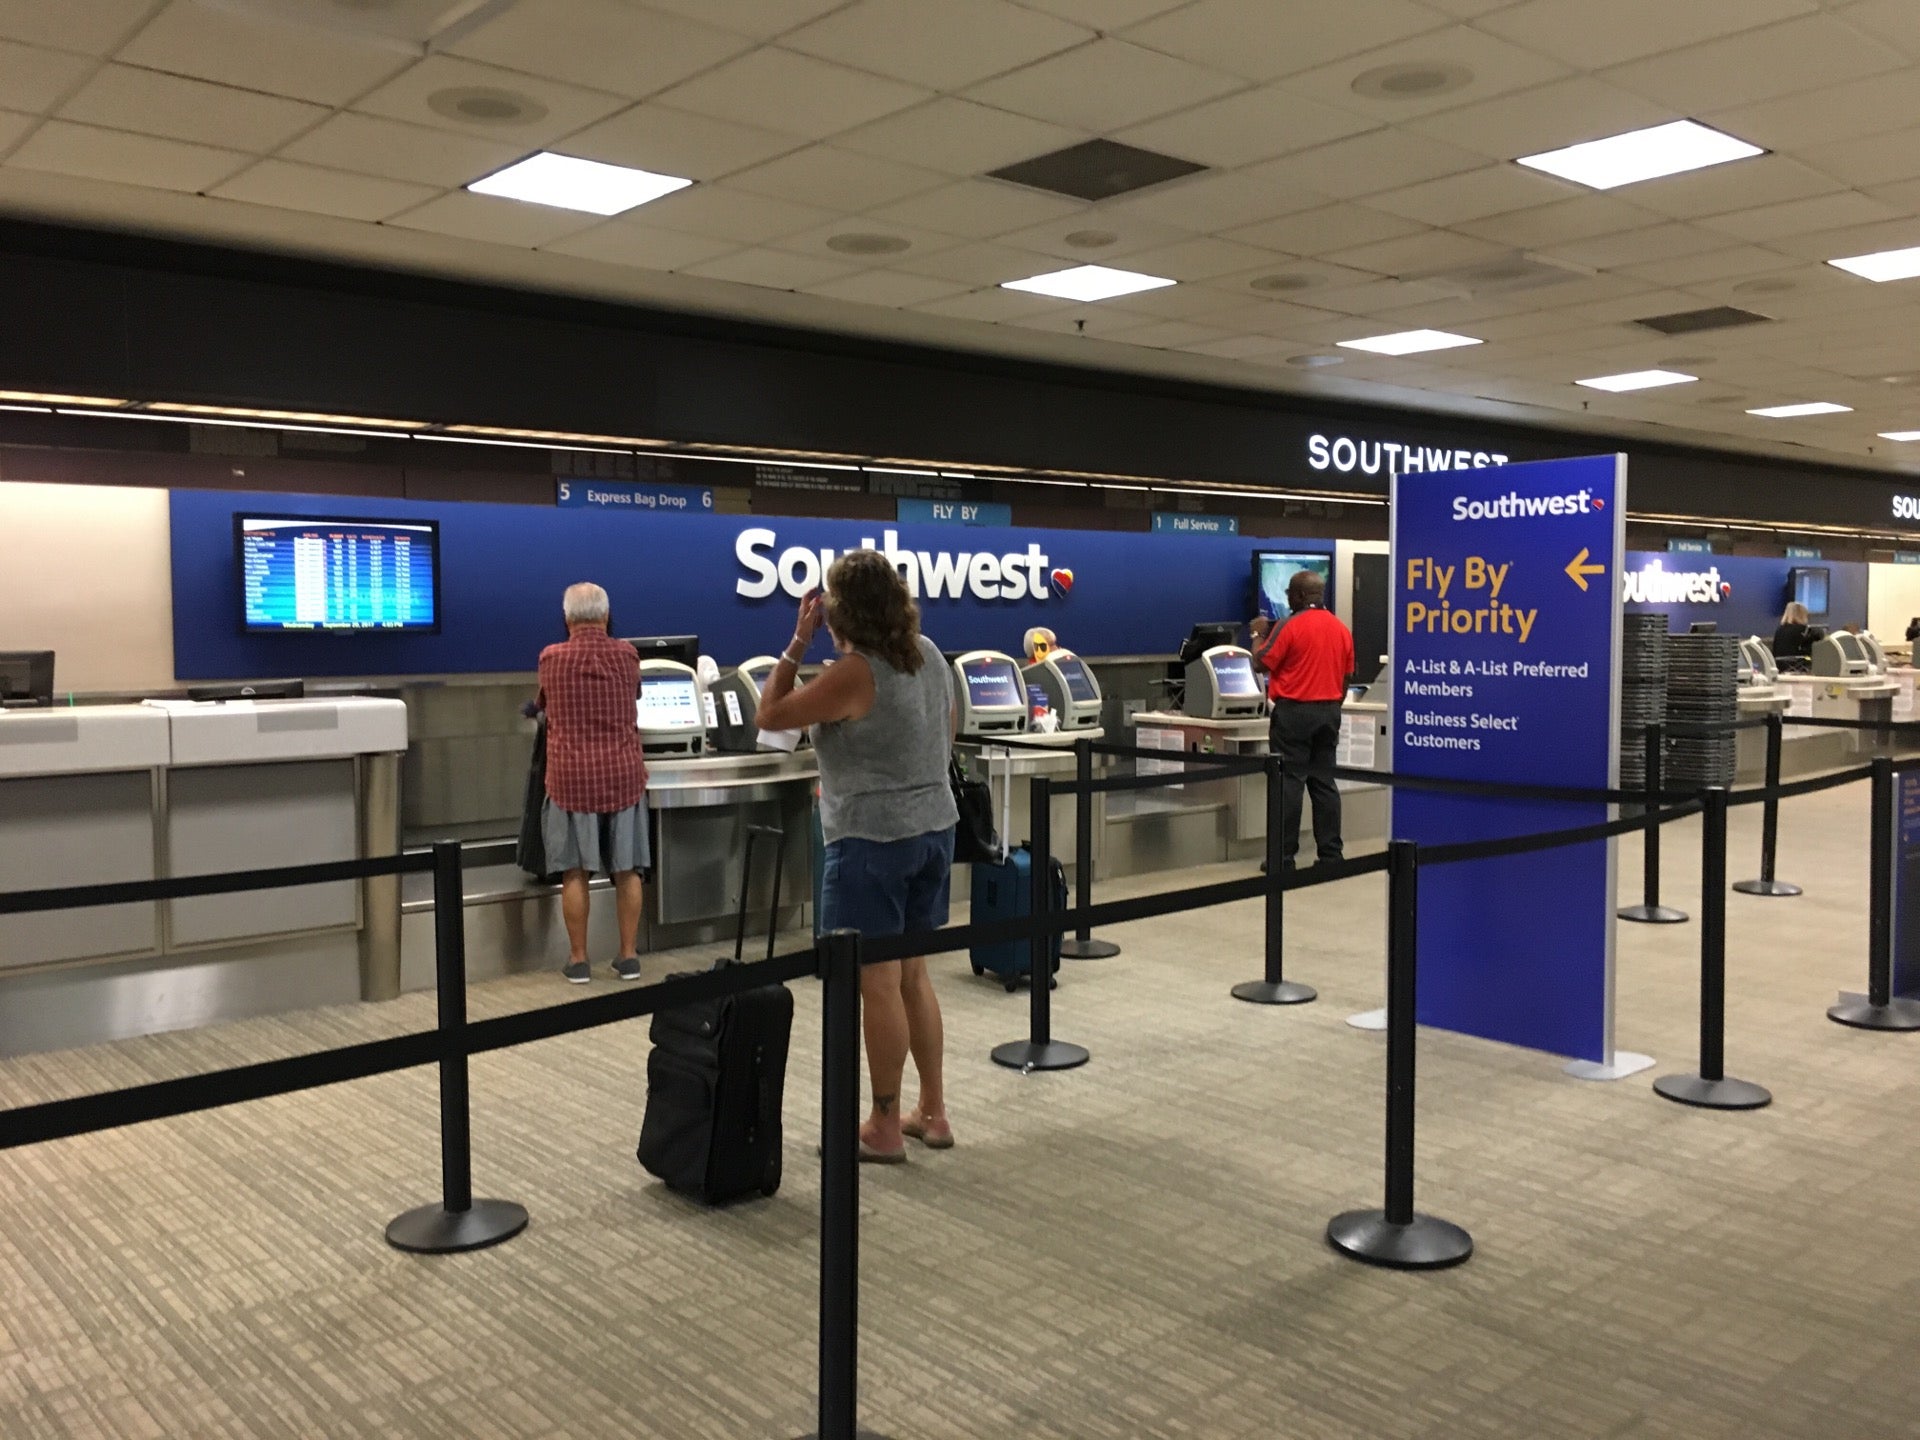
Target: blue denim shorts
<point>886,887</point>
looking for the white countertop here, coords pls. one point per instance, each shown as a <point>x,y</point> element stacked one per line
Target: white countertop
<point>86,739</point>
<point>237,732</point>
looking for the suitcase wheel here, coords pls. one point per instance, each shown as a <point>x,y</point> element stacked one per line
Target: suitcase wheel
<point>1012,985</point>
<point>979,970</point>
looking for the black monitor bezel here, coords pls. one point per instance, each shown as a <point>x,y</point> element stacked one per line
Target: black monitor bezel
<point>240,517</point>
<point>1214,632</point>
<point>32,657</point>
<point>1253,571</point>
<point>691,645</point>
<point>1793,588</point>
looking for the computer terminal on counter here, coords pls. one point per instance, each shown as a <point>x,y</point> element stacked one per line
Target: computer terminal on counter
<point>1221,685</point>
<point>988,689</point>
<point>671,710</point>
<point>1071,690</point>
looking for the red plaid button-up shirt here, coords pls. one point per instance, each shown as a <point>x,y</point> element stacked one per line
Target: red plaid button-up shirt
<point>588,684</point>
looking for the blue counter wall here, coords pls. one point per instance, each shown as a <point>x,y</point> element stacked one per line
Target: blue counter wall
<point>1755,590</point>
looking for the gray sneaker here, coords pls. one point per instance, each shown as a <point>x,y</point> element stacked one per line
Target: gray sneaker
<point>576,972</point>
<point>627,968</point>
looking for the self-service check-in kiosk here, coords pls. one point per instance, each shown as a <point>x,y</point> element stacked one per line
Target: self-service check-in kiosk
<point>1842,655</point>
<point>1757,665</point>
<point>1072,692</point>
<point>736,696</point>
<point>991,696</point>
<point>1221,685</point>
<point>671,710</point>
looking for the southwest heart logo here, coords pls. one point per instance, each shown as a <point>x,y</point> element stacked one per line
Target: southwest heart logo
<point>1063,581</point>
<point>1726,587</point>
<point>1598,503</point>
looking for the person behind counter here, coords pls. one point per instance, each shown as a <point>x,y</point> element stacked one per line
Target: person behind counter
<point>1307,661</point>
<point>882,718</point>
<point>595,815</point>
<point>1794,638</point>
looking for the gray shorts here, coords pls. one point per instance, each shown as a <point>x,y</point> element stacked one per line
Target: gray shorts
<point>599,844</point>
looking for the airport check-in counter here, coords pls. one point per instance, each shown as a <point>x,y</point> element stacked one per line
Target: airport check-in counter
<point>166,788</point>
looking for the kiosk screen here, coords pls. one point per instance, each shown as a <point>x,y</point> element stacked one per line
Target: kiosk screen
<point>760,675</point>
<point>1273,569</point>
<point>303,574</point>
<point>993,685</point>
<point>1233,676</point>
<point>1080,686</point>
<point>670,703</point>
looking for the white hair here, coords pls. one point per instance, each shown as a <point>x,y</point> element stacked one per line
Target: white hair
<point>585,604</point>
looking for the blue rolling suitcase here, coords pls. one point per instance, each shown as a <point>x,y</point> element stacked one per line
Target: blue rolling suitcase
<point>1000,892</point>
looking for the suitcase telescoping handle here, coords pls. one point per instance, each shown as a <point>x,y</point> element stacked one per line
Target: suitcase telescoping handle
<point>779,837</point>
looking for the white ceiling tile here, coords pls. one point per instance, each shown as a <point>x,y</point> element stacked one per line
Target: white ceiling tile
<point>942,44</point>
<point>622,241</point>
<point>893,288</point>
<point>1743,185</point>
<point>94,27</point>
<point>1871,160</point>
<point>567,107</point>
<point>1263,39</point>
<point>1804,217</point>
<point>1239,347</point>
<point>1377,296</point>
<point>1632,247</point>
<point>1168,334</point>
<point>1214,200</point>
<point>1758,65</point>
<point>32,79</point>
<point>1241,129</point>
<point>1105,15</point>
<point>1871,106</point>
<point>1577,219</point>
<point>772,269</point>
<point>189,38</point>
<point>606,44</point>
<point>1415,255</point>
<point>1203,258</point>
<point>721,213</point>
<point>13,126</point>
<point>1331,227</point>
<point>1365,164</point>
<point>1089,321</point>
<point>491,218</point>
<point>70,149</point>
<point>1498,68</point>
<point>762,19</point>
<point>287,186</point>
<point>125,98</point>
<point>815,241</point>
<point>994,305</point>
<point>1546,117</point>
<point>780,90</point>
<point>1591,36</point>
<point>1186,302</point>
<point>959,137</point>
<point>678,142</point>
<point>1735,262</point>
<point>398,151</point>
<point>1133,233</point>
<point>1104,86</point>
<point>979,264</point>
<point>1895,21</point>
<point>1493,190</point>
<point>836,179</point>
<point>979,209</point>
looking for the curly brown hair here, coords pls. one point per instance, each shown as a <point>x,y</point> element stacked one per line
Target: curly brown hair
<point>870,608</point>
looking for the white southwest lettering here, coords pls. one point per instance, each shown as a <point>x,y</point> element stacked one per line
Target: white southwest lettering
<point>938,575</point>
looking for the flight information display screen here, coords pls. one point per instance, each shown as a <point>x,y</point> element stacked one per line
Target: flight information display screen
<point>1273,571</point>
<point>299,574</point>
<point>1233,676</point>
<point>669,703</point>
<point>993,685</point>
<point>1073,670</point>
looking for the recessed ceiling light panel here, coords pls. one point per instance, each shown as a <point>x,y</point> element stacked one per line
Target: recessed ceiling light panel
<point>1882,265</point>
<point>1409,342</point>
<point>1810,407</point>
<point>1641,155</point>
<point>1088,282</point>
<point>1902,435</point>
<point>1637,380</point>
<point>570,183</point>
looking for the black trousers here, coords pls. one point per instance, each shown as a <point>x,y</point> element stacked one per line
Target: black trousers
<point>1306,736</point>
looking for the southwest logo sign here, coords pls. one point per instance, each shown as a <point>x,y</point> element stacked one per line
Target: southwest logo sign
<point>930,574</point>
<point>1654,584</point>
<point>1513,505</point>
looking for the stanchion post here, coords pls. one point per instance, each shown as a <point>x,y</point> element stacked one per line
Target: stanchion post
<point>458,1222</point>
<point>1040,1051</point>
<point>1711,1089</point>
<point>1770,822</point>
<point>1397,1236</point>
<point>1081,945</point>
<point>1880,1009</point>
<point>1650,911</point>
<point>1274,988</point>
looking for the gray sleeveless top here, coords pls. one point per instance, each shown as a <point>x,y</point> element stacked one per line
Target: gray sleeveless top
<point>884,776</point>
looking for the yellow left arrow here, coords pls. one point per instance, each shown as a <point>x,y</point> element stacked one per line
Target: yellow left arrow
<point>1578,569</point>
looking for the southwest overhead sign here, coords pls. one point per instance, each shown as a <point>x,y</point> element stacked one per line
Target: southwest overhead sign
<point>1345,455</point>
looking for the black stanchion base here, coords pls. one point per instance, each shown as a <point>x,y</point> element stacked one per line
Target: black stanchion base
<point>1862,1014</point>
<point>1766,887</point>
<point>1076,949</point>
<point>436,1230</point>
<point>1723,1094</point>
<point>1025,1055</point>
<point>1275,992</point>
<point>1654,915</point>
<point>859,1435</point>
<point>1426,1244</point>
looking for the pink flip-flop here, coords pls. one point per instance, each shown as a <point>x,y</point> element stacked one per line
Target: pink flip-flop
<point>934,1134</point>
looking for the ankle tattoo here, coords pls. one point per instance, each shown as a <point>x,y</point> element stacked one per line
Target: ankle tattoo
<point>885,1103</point>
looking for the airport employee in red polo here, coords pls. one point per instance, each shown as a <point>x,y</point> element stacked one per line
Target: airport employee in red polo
<point>1307,661</point>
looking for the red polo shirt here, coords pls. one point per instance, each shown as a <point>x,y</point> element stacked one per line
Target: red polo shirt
<point>587,687</point>
<point>1308,658</point>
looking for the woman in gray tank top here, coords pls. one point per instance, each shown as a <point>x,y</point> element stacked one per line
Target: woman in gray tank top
<point>882,719</point>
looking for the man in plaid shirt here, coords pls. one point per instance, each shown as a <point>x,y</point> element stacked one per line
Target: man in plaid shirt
<point>595,815</point>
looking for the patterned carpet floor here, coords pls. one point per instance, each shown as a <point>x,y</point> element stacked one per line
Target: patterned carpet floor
<point>1133,1249</point>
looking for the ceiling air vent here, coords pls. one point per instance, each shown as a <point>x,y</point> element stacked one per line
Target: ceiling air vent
<point>1502,275</point>
<point>1692,322</point>
<point>1096,170</point>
